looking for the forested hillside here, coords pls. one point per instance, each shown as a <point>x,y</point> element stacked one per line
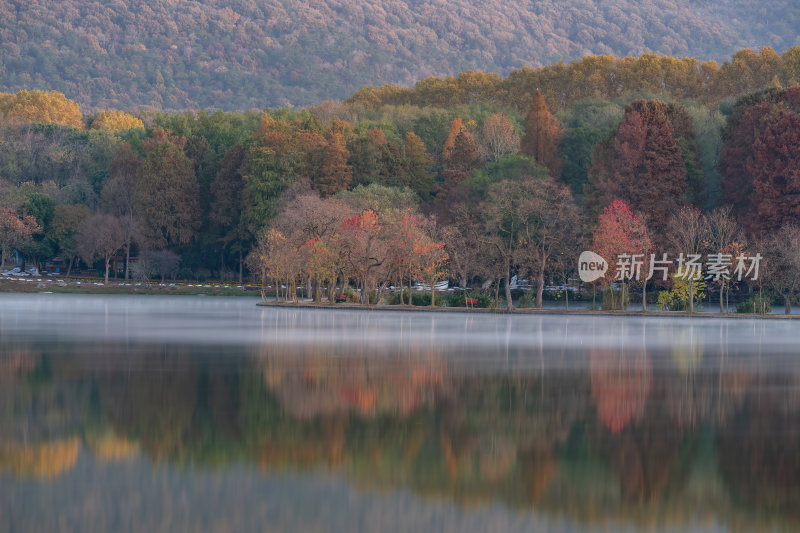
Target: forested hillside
<point>242,54</point>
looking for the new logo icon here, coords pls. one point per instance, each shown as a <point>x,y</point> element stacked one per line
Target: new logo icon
<point>591,267</point>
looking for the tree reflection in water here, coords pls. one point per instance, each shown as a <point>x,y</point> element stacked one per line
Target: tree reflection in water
<point>639,435</point>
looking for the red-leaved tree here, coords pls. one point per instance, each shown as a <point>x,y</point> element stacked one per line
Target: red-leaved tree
<point>621,231</point>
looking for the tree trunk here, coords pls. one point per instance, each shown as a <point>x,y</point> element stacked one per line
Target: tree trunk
<point>691,296</point>
<point>509,304</point>
<point>540,290</point>
<point>644,296</point>
<point>566,295</point>
<point>722,299</point>
<point>410,296</point>
<point>787,305</point>
<point>3,254</point>
<point>127,258</point>
<point>241,267</point>
<point>107,261</point>
<point>381,290</point>
<point>69,265</point>
<point>433,293</point>
<point>402,301</point>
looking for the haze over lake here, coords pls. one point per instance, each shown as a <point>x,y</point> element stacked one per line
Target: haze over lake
<point>193,413</point>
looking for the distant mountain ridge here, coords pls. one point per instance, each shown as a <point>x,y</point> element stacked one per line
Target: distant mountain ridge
<point>243,54</point>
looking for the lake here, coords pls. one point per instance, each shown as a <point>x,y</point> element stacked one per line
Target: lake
<point>191,413</point>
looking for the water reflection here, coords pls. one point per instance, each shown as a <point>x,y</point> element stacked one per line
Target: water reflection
<point>694,425</point>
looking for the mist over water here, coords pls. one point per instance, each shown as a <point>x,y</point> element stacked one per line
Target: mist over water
<point>206,413</point>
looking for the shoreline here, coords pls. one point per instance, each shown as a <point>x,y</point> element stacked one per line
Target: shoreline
<point>95,287</point>
<point>524,311</point>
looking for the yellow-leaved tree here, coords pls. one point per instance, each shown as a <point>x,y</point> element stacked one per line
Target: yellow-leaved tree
<point>45,107</point>
<point>116,121</point>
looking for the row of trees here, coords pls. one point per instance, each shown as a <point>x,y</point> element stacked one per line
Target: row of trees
<point>519,195</point>
<point>600,76</point>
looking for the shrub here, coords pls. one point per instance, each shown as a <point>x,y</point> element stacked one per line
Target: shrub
<point>351,295</point>
<point>677,298</point>
<point>758,303</point>
<point>419,298</point>
<point>528,299</point>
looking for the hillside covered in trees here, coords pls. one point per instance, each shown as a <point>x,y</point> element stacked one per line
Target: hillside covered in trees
<point>242,55</point>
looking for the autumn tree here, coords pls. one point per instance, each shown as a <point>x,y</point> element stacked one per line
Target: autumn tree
<point>550,229</point>
<point>101,236</point>
<point>747,124</point>
<point>456,127</point>
<point>725,237</point>
<point>688,233</point>
<point>368,154</point>
<point>790,69</point>
<point>622,233</point>
<point>67,223</point>
<point>404,235</point>
<point>322,263</point>
<point>524,223</point>
<point>641,164</point>
<point>775,169</point>
<point>308,223</point>
<point>335,173</point>
<point>15,230</point>
<point>276,157</point>
<point>116,121</point>
<point>46,107</point>
<point>463,249</point>
<point>429,263</point>
<point>542,135</point>
<point>498,137</point>
<point>781,263</point>
<point>461,155</point>
<point>275,258</point>
<point>748,71</point>
<point>417,162</point>
<point>460,152</point>
<point>119,195</point>
<point>363,248</point>
<point>166,199</point>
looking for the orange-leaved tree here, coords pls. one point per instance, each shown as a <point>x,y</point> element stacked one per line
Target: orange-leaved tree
<point>363,247</point>
<point>430,262</point>
<point>15,230</point>
<point>322,263</point>
<point>404,236</point>
<point>542,135</point>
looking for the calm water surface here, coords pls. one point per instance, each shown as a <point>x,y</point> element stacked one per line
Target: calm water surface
<point>209,414</point>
